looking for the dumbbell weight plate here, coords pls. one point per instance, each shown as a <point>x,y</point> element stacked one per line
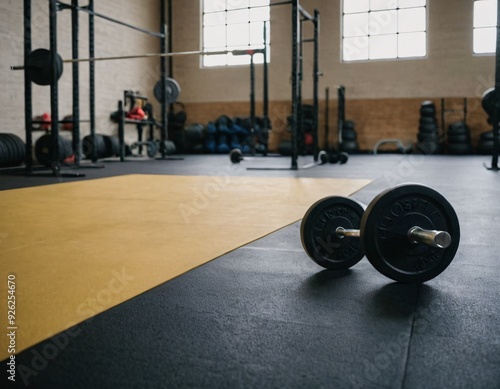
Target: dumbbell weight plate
<point>343,157</point>
<point>384,233</point>
<point>317,232</point>
<point>152,149</point>
<point>333,157</point>
<point>235,156</point>
<point>323,157</point>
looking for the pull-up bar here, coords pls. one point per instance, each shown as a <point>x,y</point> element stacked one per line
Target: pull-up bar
<point>63,6</point>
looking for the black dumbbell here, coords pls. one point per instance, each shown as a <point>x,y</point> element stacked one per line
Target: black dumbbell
<point>338,157</point>
<point>236,156</point>
<point>409,233</point>
<point>322,159</point>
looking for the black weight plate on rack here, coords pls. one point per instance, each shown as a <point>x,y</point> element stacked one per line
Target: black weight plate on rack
<point>43,149</point>
<point>425,120</point>
<point>459,139</point>
<point>349,146</point>
<point>427,109</point>
<point>317,232</point>
<point>20,148</point>
<point>38,67</point>
<point>428,147</point>
<point>458,128</point>
<point>384,233</point>
<point>432,137</point>
<point>3,153</point>
<point>12,146</point>
<point>427,103</point>
<point>10,149</point>
<point>488,135</point>
<point>169,147</point>
<point>348,125</point>
<point>172,91</point>
<point>101,147</point>
<point>427,128</point>
<point>488,101</point>
<point>152,149</point>
<point>114,145</point>
<point>348,134</point>
<point>485,147</point>
<point>460,148</point>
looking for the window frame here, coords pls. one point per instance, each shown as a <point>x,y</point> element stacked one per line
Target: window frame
<point>492,53</point>
<point>397,33</point>
<point>249,45</point>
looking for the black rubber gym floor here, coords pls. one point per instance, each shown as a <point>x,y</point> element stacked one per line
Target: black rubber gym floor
<point>265,315</point>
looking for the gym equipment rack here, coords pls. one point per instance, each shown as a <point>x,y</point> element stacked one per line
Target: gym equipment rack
<point>54,7</point>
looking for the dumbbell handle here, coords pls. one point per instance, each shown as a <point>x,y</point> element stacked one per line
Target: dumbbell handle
<point>433,238</point>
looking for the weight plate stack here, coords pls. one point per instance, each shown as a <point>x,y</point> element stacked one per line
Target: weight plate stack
<point>88,147</point>
<point>349,137</point>
<point>112,144</point>
<point>488,102</point>
<point>459,142</point>
<point>43,149</point>
<point>285,147</point>
<point>38,66</point>
<point>12,150</point>
<point>4,156</point>
<point>189,139</point>
<point>169,147</point>
<point>485,144</point>
<point>349,146</point>
<point>428,131</point>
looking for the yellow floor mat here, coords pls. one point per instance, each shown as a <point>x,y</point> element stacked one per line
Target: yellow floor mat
<point>77,249</point>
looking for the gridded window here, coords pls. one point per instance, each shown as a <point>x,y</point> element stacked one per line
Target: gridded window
<point>379,29</point>
<point>485,22</point>
<point>234,25</point>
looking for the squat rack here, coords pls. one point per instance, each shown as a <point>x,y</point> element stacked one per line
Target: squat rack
<point>54,7</point>
<point>299,15</point>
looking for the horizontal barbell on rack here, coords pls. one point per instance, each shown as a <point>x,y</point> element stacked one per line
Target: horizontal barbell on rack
<point>38,67</point>
<point>409,233</point>
<point>43,56</point>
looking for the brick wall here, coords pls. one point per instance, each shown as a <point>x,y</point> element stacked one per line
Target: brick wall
<point>375,118</point>
<point>383,97</point>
